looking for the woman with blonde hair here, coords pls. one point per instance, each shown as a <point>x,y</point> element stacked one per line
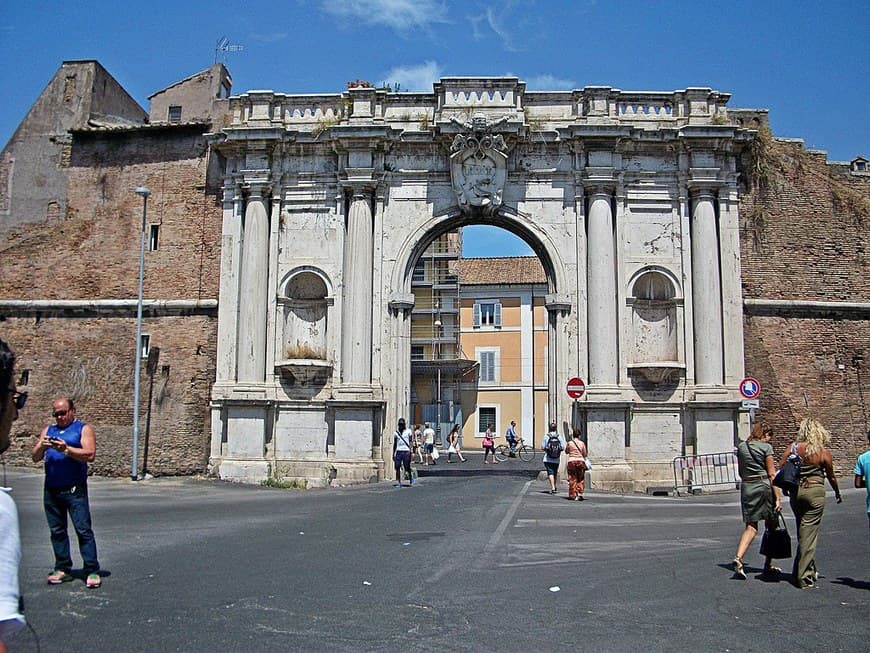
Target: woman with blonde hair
<point>759,499</point>
<point>808,503</point>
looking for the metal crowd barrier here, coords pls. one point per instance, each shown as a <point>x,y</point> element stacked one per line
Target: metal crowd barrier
<point>695,474</point>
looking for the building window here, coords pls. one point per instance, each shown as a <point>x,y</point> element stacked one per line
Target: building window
<point>416,352</point>
<point>419,272</point>
<point>175,113</point>
<point>145,345</point>
<point>153,237</point>
<point>487,314</point>
<point>488,359</point>
<point>486,415</point>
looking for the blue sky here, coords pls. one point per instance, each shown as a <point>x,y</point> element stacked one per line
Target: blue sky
<point>807,62</point>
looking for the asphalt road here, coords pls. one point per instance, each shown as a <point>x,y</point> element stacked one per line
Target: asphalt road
<point>200,565</point>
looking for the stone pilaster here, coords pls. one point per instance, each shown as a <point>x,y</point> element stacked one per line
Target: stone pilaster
<point>706,289</point>
<point>253,290</point>
<point>356,323</point>
<point>601,285</point>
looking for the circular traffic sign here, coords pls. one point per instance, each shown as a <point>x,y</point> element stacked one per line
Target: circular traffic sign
<point>576,387</point>
<point>750,388</point>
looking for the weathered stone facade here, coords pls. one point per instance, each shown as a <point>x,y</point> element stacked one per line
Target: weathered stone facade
<point>629,200</point>
<point>305,215</point>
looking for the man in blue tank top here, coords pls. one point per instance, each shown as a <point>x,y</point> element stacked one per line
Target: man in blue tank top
<point>67,446</point>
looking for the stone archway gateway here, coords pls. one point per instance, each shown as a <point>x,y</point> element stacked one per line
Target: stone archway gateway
<point>628,199</point>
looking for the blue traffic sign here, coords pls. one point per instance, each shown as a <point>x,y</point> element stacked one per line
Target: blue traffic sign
<point>750,388</point>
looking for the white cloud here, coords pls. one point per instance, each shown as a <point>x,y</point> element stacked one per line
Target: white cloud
<point>401,15</point>
<point>272,37</point>
<point>415,78</point>
<point>550,83</point>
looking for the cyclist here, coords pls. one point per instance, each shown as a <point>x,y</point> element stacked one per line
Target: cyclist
<point>511,437</point>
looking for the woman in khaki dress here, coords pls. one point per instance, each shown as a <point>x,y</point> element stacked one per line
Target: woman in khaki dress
<point>759,499</point>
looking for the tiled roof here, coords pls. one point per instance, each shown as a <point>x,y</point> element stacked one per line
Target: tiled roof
<point>503,270</point>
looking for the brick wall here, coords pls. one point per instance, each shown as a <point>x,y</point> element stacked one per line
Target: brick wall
<point>92,359</point>
<point>92,253</point>
<point>805,238</point>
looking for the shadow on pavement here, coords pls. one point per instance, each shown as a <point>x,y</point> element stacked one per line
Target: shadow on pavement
<point>851,582</point>
<point>474,467</point>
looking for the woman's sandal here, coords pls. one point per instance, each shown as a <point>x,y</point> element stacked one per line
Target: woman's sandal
<point>738,568</point>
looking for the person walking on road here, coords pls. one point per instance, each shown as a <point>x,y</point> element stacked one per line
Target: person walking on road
<point>759,499</point>
<point>67,446</point>
<point>808,503</point>
<point>402,452</point>
<point>576,466</point>
<point>417,445</point>
<point>862,473</point>
<point>553,445</point>
<point>429,443</point>
<point>453,444</point>
<point>489,445</point>
<point>11,401</point>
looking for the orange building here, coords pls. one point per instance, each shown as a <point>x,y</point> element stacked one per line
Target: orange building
<point>503,327</point>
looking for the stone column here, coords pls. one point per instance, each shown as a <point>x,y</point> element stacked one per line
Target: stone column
<point>356,323</point>
<point>601,288</point>
<point>253,290</point>
<point>706,290</point>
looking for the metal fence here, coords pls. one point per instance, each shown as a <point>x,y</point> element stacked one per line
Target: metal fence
<point>706,471</point>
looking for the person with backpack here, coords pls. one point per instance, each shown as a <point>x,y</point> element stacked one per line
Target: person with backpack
<point>553,445</point>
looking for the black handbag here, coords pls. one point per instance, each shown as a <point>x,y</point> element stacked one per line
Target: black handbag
<point>789,475</point>
<point>776,542</point>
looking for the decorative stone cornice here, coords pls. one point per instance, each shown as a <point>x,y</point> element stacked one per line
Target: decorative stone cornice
<point>402,302</point>
<point>106,307</point>
<point>557,303</point>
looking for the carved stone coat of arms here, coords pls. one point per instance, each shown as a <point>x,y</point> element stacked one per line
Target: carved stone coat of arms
<point>478,165</point>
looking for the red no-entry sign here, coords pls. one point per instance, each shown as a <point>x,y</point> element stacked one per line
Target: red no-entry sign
<point>576,387</point>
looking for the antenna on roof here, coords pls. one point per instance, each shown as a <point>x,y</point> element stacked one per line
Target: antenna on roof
<point>223,46</point>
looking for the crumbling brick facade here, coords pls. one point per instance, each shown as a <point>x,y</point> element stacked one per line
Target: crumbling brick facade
<point>91,258</point>
<point>804,245</point>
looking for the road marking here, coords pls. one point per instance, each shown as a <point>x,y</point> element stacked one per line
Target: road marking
<point>485,559</point>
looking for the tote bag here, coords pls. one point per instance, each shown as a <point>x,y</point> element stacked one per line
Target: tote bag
<point>776,542</point>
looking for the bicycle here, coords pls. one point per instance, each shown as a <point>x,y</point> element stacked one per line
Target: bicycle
<point>522,450</point>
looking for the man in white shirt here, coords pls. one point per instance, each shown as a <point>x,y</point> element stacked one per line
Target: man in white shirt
<point>11,401</point>
<point>429,443</point>
<point>402,452</point>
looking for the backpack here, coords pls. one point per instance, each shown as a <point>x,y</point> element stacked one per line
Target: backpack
<point>789,475</point>
<point>553,449</point>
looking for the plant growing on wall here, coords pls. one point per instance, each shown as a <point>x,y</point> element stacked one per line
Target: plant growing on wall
<point>772,166</point>
<point>303,352</point>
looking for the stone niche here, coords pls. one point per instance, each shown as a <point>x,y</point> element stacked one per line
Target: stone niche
<point>303,312</point>
<point>655,321</point>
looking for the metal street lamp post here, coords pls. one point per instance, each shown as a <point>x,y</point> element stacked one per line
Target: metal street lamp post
<point>134,467</point>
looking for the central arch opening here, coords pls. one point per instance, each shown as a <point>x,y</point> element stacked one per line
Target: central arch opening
<point>479,350</point>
